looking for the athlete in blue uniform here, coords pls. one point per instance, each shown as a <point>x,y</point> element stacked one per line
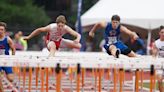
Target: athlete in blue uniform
<point>113,45</point>
<point>5,44</point>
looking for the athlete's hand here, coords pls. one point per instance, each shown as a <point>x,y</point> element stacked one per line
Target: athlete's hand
<point>135,37</point>
<point>91,34</point>
<point>26,38</point>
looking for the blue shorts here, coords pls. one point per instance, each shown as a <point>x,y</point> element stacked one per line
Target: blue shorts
<point>119,45</point>
<point>8,70</point>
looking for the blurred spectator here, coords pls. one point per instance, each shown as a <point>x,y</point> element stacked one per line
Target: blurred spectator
<point>42,43</point>
<point>9,33</point>
<point>101,45</point>
<point>22,41</point>
<point>18,45</point>
<point>138,45</point>
<point>89,44</point>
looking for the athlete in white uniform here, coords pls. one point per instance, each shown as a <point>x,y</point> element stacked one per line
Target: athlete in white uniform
<point>55,32</point>
<point>158,51</point>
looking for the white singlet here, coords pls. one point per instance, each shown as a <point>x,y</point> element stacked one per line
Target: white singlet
<point>56,35</point>
<point>160,46</point>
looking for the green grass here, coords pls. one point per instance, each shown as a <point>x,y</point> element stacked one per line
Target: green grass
<point>147,85</point>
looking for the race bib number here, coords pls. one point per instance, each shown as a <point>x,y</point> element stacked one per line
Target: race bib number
<point>2,52</point>
<point>112,40</point>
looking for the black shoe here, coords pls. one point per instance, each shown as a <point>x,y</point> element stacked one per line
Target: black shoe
<point>117,53</point>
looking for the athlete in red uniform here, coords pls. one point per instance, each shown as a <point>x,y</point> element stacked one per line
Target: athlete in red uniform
<point>55,33</point>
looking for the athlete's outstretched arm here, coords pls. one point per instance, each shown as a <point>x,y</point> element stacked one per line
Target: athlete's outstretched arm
<point>133,35</point>
<point>11,44</point>
<point>36,32</point>
<point>74,33</point>
<point>97,26</point>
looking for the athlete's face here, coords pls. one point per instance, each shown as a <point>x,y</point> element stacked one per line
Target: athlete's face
<point>115,24</point>
<point>60,26</point>
<point>2,30</point>
<point>161,34</point>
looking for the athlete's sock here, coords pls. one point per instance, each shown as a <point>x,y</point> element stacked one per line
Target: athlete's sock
<point>117,53</point>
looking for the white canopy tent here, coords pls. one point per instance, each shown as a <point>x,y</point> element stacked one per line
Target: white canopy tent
<point>142,13</point>
<point>147,14</point>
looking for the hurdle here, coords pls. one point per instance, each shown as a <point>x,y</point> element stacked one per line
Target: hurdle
<point>80,61</point>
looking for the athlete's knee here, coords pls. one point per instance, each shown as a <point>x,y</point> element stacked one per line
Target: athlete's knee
<point>79,46</point>
<point>76,45</point>
<point>112,47</point>
<point>10,77</point>
<point>132,54</point>
<point>51,45</point>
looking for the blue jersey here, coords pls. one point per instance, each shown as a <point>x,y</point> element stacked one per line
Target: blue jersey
<point>111,35</point>
<point>4,50</point>
<point>4,46</point>
<point>112,38</point>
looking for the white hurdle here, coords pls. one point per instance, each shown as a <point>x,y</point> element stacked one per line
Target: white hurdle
<point>80,60</point>
<point>86,60</point>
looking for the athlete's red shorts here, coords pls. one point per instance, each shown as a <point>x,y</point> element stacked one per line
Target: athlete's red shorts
<point>57,43</point>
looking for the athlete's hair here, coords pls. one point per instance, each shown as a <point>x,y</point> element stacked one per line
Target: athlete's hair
<point>61,19</point>
<point>3,24</point>
<point>161,27</point>
<point>115,17</point>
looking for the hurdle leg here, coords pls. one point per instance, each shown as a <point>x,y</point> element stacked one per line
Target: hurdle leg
<point>70,78</point>
<point>137,81</point>
<point>151,78</point>
<point>78,78</point>
<point>93,78</point>
<point>96,79</point>
<point>58,78</point>
<point>99,80</point>
<point>16,70</point>
<point>30,79</point>
<point>115,79</point>
<point>36,78</point>
<point>83,73</point>
<point>42,80</point>
<point>47,78</point>
<point>108,80</point>
<point>103,78</point>
<point>50,71</point>
<point>121,78</point>
<point>19,78</point>
<point>61,72</point>
<point>1,86</point>
<point>24,77</point>
<point>141,84</point>
<point>154,82</point>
